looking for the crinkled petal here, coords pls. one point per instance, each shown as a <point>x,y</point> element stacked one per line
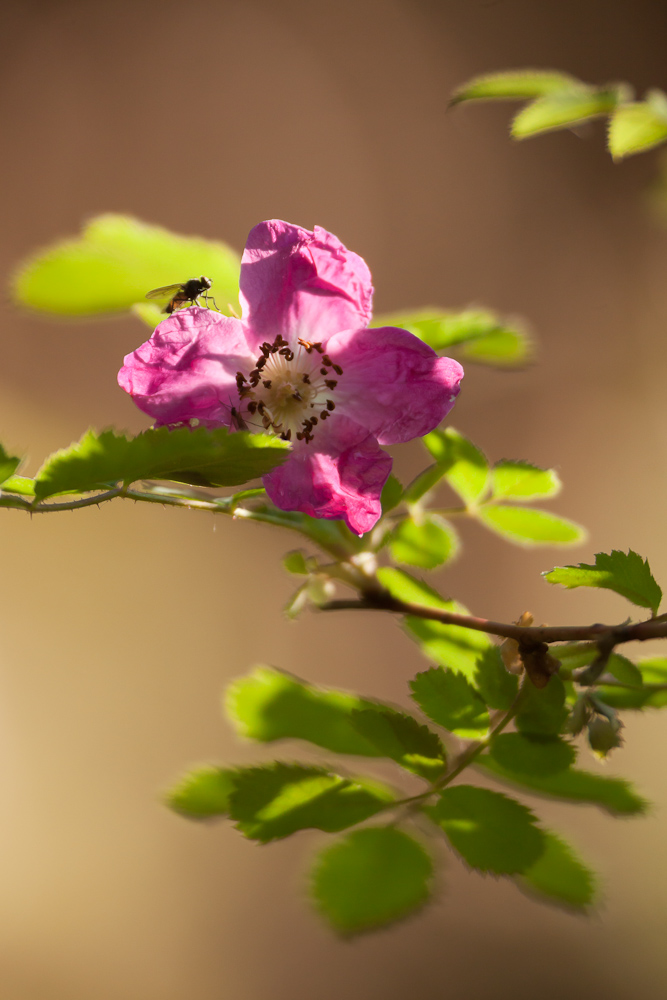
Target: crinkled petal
<point>392,383</point>
<point>339,475</point>
<point>187,369</point>
<point>301,285</point>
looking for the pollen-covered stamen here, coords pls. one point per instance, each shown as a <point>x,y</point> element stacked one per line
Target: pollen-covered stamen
<point>288,388</point>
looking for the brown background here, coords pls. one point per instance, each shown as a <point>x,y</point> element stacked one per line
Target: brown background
<point>121,626</point>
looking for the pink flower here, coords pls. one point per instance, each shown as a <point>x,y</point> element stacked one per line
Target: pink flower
<point>302,364</point>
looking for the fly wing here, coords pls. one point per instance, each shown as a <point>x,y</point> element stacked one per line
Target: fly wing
<point>165,292</point>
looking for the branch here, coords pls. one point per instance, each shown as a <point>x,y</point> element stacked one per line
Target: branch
<point>614,634</point>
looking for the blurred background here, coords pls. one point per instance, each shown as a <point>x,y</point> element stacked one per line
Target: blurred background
<point>121,626</point>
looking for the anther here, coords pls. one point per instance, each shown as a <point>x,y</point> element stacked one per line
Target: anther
<point>330,383</point>
<point>267,383</point>
<point>338,370</point>
<point>327,360</point>
<point>324,371</point>
<point>330,404</point>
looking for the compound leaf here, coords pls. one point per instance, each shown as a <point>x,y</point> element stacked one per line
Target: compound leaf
<point>563,109</point>
<point>626,573</point>
<point>450,701</point>
<point>543,711</point>
<point>491,832</point>
<point>409,589</point>
<point>8,466</point>
<point>275,800</point>
<point>371,878</point>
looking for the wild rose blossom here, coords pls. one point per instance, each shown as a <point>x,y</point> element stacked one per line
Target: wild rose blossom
<point>300,363</point>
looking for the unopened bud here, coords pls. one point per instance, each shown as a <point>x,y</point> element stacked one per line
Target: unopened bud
<point>604,734</point>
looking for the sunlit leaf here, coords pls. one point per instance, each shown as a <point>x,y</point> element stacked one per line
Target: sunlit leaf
<point>465,467</point>
<point>371,878</point>
<point>529,527</point>
<point>275,800</point>
<point>401,738</point>
<point>452,646</point>
<point>478,334</point>
<point>615,795</point>
<point>426,543</point>
<point>559,875</point>
<point>639,125</point>
<point>19,484</point>
<point>197,456</point>
<point>202,793</point>
<point>269,705</point>
<point>490,831</point>
<point>524,753</point>
<point>624,572</point>
<point>514,85</point>
<point>511,480</point>
<point>505,347</point>
<point>409,589</point>
<point>115,262</point>
<point>8,466</point>
<point>563,109</point>
<point>652,693</point>
<point>450,701</point>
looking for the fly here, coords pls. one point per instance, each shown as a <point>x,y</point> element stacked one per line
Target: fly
<point>186,293</point>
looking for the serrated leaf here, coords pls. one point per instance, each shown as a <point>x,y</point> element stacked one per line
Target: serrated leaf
<point>514,85</point>
<point>113,264</point>
<point>371,878</point>
<point>451,646</point>
<point>558,874</point>
<point>450,701</point>
<point>8,466</point>
<point>202,793</point>
<point>626,573</point>
<point>542,711</point>
<point>637,126</point>
<point>497,686</point>
<point>490,831</point>
<point>401,738</point>
<point>529,527</point>
<point>624,670</point>
<point>407,588</point>
<point>270,705</point>
<point>426,543</point>
<point>197,456</point>
<point>525,753</point>
<point>651,694</point>
<point>465,467</point>
<point>513,480</point>
<point>392,492</point>
<point>563,109</point>
<point>276,800</point>
<point>615,795</point>
<point>481,334</point>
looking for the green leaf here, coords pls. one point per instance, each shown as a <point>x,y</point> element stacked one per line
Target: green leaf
<point>197,456</point>
<point>512,480</point>
<point>276,800</point>
<point>451,646</point>
<point>148,313</point>
<point>408,589</point>
<point>450,701</point>
<point>624,670</point>
<point>558,874</point>
<point>371,878</point>
<point>526,526</point>
<point>427,543</point>
<point>514,85</point>
<point>615,795</point>
<point>295,563</point>
<point>202,793</point>
<point>563,109</point>
<point>524,753</point>
<point>652,693</point>
<point>626,573</point>
<point>392,492</point>
<point>115,262</point>
<point>269,705</point>
<point>497,686</point>
<point>466,468</point>
<point>542,711</point>
<point>637,126</point>
<point>481,334</point>
<point>490,831</point>
<point>401,738</point>
<point>8,466</point>
<point>19,484</point>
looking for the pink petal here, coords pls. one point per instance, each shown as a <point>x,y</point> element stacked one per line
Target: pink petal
<point>301,284</point>
<point>339,475</point>
<point>187,369</point>
<point>392,383</point>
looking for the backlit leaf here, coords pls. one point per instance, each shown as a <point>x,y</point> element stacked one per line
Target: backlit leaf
<point>624,572</point>
<point>479,334</point>
<point>559,875</point>
<point>524,753</point>
<point>505,347</point>
<point>401,738</point>
<point>197,456</point>
<point>203,793</point>
<point>8,466</point>
<point>371,878</point>
<point>113,264</point>
<point>527,526</point>
<point>409,589</point>
<point>452,646</point>
<point>543,711</point>
<point>490,831</point>
<point>637,126</point>
<point>615,795</point>
<point>276,800</point>
<point>269,705</point>
<point>514,85</point>
<point>450,701</point>
<point>466,468</point>
<point>512,480</point>
<point>19,484</point>
<point>427,543</point>
<point>563,109</point>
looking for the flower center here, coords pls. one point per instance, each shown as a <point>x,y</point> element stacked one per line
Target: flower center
<point>290,391</point>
